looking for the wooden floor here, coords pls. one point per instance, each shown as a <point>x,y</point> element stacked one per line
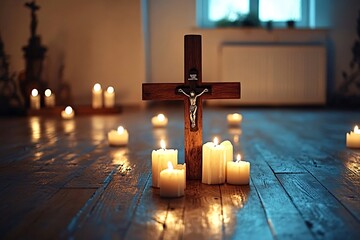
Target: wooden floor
<point>60,179</point>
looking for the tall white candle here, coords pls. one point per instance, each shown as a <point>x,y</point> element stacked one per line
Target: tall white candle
<point>120,137</point>
<point>159,159</point>
<point>353,138</point>
<point>229,152</point>
<point>97,100</point>
<point>172,182</point>
<point>213,163</point>
<point>35,99</point>
<point>49,98</point>
<point>109,97</point>
<point>67,113</point>
<point>159,121</point>
<point>238,172</point>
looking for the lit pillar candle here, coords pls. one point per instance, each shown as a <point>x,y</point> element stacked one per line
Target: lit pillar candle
<point>172,182</point>
<point>159,159</point>
<point>67,113</point>
<point>229,152</point>
<point>34,99</point>
<point>97,101</point>
<point>234,119</point>
<point>109,97</point>
<point>213,163</point>
<point>119,137</point>
<point>159,121</point>
<point>238,172</point>
<point>49,98</point>
<point>353,138</point>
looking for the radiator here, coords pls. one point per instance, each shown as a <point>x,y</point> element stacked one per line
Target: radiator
<point>275,74</point>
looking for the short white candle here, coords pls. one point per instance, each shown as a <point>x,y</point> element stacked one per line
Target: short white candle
<point>159,121</point>
<point>109,97</point>
<point>353,138</point>
<point>67,113</point>
<point>49,98</point>
<point>172,182</point>
<point>234,119</point>
<point>119,137</point>
<point>213,163</point>
<point>159,159</point>
<point>238,172</point>
<point>35,99</point>
<point>97,101</point>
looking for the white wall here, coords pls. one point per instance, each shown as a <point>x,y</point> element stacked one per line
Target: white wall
<point>103,41</point>
<point>170,20</point>
<point>96,40</point>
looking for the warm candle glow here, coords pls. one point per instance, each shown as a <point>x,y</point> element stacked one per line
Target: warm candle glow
<point>34,92</point>
<point>356,130</point>
<point>68,110</point>
<point>120,130</point>
<point>216,141</point>
<point>47,92</point>
<point>238,158</point>
<point>236,116</point>
<point>170,166</point>
<point>161,117</point>
<point>97,87</point>
<point>162,144</point>
<point>110,89</point>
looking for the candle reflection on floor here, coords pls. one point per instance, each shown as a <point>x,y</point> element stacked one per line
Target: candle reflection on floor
<point>97,129</point>
<point>35,129</point>
<point>120,158</point>
<point>68,126</point>
<point>50,131</point>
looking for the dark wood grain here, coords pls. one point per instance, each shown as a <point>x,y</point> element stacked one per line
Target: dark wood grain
<point>61,179</point>
<point>320,209</point>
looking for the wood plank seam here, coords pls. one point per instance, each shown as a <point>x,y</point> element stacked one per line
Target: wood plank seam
<point>76,221</point>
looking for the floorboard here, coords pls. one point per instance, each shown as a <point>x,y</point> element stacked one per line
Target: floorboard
<point>61,179</point>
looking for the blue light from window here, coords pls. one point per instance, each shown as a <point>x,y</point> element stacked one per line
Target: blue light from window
<point>279,10</point>
<point>219,9</point>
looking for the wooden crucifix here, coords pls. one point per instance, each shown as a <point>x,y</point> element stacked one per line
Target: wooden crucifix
<point>192,91</point>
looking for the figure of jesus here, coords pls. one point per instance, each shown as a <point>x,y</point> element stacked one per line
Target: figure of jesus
<point>192,98</point>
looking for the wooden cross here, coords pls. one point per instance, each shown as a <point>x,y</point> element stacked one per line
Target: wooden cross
<point>192,92</point>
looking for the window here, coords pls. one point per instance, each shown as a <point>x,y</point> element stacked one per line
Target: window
<point>212,13</point>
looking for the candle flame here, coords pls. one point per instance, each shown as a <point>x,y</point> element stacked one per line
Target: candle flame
<point>68,110</point>
<point>110,89</point>
<point>120,129</point>
<point>170,166</point>
<point>47,92</point>
<point>216,141</point>
<point>34,92</point>
<point>97,87</point>
<point>236,116</point>
<point>162,144</point>
<point>161,117</point>
<point>356,130</point>
<point>238,158</point>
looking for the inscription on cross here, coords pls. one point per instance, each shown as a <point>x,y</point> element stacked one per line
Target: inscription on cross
<point>192,92</point>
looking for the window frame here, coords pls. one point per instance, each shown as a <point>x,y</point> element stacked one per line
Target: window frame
<point>203,21</point>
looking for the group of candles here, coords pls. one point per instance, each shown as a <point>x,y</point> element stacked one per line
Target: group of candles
<point>98,97</point>
<point>49,99</point>
<point>167,173</point>
<point>218,167</point>
<point>217,162</point>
